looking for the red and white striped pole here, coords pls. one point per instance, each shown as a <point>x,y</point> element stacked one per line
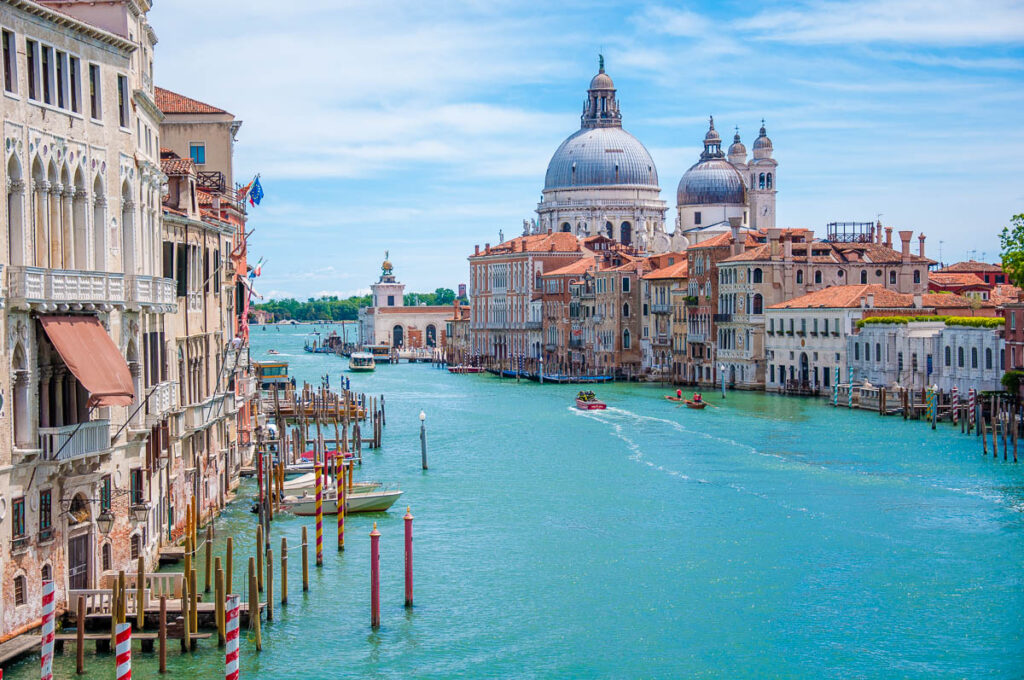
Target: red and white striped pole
<point>971,418</point>
<point>375,577</point>
<point>408,557</point>
<point>319,516</point>
<point>231,635</point>
<point>956,406</point>
<point>48,628</point>
<point>123,650</point>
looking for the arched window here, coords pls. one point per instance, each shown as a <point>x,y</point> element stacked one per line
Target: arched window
<point>758,306</point>
<point>15,222</point>
<point>566,227</point>
<point>608,229</point>
<point>960,357</point>
<point>760,181</point>
<point>758,276</point>
<point>974,357</point>
<point>46,572</point>
<point>917,276</point>
<point>625,309</point>
<point>769,178</point>
<point>19,591</point>
<point>892,278</point>
<point>799,276</point>
<point>626,233</point>
<point>878,351</point>
<point>988,358</point>
<point>863,275</point>
<point>856,351</point>
<point>817,276</point>
<point>949,355</point>
<point>625,339</point>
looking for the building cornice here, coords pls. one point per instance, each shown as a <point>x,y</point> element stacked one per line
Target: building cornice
<point>147,103</point>
<point>69,22</point>
<point>180,221</point>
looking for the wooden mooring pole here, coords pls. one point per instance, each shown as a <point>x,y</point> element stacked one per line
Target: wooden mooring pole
<point>305,561</point>
<point>163,634</point>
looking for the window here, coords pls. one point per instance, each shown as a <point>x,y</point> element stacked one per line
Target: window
<point>61,81</point>
<point>19,591</point>
<point>625,339</point>
<point>817,276</point>
<point>45,509</point>
<point>46,73</point>
<point>913,361</point>
<point>136,486</point>
<point>122,101</point>
<point>197,152</point>
<point>32,59</point>
<point>892,278</point>
<point>74,78</point>
<point>769,178</point>
<point>960,357</point>
<point>867,352</point>
<point>391,301</point>
<point>105,557</point>
<point>10,61</point>
<point>949,356</point>
<point>878,351</point>
<point>46,572</point>
<point>136,546</point>
<point>696,217</point>
<point>760,181</point>
<point>917,276</point>
<point>899,361</point>
<point>18,517</point>
<point>799,277</point>
<point>974,357</point>
<point>757,275</point>
<point>864,276</point>
<point>856,351</point>
<point>988,358</point>
<point>95,98</point>
<point>625,310</point>
<point>105,494</point>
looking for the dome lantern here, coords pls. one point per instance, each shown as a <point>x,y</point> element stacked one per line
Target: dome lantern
<point>601,108</point>
<point>762,145</point>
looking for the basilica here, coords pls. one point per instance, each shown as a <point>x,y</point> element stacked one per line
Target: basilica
<point>603,181</point>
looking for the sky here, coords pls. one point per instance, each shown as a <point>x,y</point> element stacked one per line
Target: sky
<point>423,128</point>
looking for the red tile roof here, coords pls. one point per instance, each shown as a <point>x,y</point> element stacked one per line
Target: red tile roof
<point>971,266</point>
<point>561,242</point>
<point>828,252</point>
<point>177,166</point>
<point>172,102</point>
<point>578,267</point>
<point>1004,293</point>
<point>726,239</point>
<point>836,297</point>
<point>958,280</point>
<point>673,271</point>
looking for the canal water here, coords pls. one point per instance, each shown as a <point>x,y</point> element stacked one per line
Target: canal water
<point>764,537</point>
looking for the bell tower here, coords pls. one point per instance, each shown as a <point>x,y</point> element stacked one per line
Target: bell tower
<point>387,292</point>
<point>763,183</point>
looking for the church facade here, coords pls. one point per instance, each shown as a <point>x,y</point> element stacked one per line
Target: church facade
<point>389,321</point>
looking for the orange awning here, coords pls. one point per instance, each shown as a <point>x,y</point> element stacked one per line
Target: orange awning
<point>93,357</point>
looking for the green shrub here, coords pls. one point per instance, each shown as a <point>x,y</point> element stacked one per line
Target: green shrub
<point>976,321</point>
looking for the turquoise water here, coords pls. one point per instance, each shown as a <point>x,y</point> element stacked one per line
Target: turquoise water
<point>765,537</point>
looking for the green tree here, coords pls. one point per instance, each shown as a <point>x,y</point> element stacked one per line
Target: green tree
<point>1011,241</point>
<point>444,296</point>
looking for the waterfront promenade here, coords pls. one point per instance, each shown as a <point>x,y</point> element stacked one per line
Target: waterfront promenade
<point>763,537</point>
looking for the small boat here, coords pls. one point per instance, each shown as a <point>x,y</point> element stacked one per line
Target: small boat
<point>465,369</point>
<point>272,351</point>
<point>361,362</point>
<point>587,401</point>
<point>690,403</point>
<point>673,398</point>
<point>370,501</point>
<point>307,483</point>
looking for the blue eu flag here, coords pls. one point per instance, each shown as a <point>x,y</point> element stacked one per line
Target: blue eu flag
<point>256,193</point>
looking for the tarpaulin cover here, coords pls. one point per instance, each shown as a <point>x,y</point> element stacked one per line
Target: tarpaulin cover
<point>93,357</point>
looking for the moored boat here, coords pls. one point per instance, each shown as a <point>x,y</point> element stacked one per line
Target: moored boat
<point>370,501</point>
<point>465,369</point>
<point>588,401</point>
<point>307,483</point>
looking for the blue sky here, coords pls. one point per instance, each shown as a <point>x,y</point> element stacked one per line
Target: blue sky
<point>425,128</point>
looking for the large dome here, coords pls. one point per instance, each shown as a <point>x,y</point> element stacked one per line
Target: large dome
<point>601,156</point>
<point>712,181</point>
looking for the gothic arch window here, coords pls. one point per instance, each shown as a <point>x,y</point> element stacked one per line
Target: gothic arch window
<point>799,276</point>
<point>20,401</point>
<point>105,557</point>
<point>625,309</point>
<point>863,275</point>
<point>626,339</point>
<point>127,229</point>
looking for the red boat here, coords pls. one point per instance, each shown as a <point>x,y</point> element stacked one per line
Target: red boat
<point>587,401</point>
<point>465,369</point>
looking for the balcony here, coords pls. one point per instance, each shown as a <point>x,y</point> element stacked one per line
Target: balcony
<point>661,309</point>
<point>151,291</point>
<point>661,340</point>
<point>162,400</point>
<point>74,441</point>
<point>587,295</point>
<point>50,290</point>
<point>532,325</point>
<point>550,347</point>
<point>576,343</point>
<point>723,318</point>
<point>246,388</point>
<point>697,337</point>
<point>691,301</point>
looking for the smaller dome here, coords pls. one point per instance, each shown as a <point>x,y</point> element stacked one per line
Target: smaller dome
<point>602,81</point>
<point>712,135</point>
<point>762,145</point>
<point>736,149</point>
<point>712,181</point>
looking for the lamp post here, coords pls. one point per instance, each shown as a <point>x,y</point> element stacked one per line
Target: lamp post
<point>423,438</point>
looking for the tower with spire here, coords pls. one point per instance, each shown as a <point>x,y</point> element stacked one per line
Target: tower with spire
<point>762,182</point>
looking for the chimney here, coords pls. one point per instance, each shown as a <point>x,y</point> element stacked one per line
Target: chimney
<point>787,247</point>
<point>871,299</point>
<point>487,248</point>
<point>734,225</point>
<point>888,237</point>
<point>918,301</point>
<point>905,237</point>
<point>920,245</point>
<point>878,232</point>
<point>476,249</point>
<point>773,243</point>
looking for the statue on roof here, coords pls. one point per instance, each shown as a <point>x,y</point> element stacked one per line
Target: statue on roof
<point>386,267</point>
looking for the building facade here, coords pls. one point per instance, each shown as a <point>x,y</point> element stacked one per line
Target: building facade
<point>390,322</point>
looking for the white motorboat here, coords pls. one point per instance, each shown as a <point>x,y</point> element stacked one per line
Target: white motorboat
<point>361,361</point>
<point>307,484</point>
<point>369,501</point>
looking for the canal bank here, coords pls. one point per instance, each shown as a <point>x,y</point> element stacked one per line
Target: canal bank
<point>762,537</point>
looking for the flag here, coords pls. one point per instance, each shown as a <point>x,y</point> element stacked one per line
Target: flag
<point>256,192</point>
<point>243,193</point>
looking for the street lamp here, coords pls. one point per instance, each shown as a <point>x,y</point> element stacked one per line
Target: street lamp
<point>105,521</point>
<point>140,512</point>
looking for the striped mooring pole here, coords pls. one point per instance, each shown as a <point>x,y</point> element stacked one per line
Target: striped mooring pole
<point>849,395</point>
<point>231,637</point>
<point>123,651</point>
<point>972,397</point>
<point>835,389</point>
<point>319,517</point>
<point>46,656</point>
<point>340,497</point>
<point>375,577</point>
<point>956,406</point>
